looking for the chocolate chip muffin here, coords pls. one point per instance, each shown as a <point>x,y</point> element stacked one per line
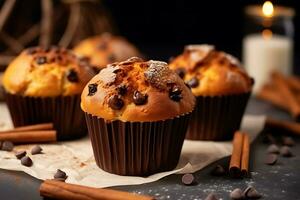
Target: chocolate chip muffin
<point>105,49</point>
<point>44,85</point>
<point>222,89</point>
<point>137,114</point>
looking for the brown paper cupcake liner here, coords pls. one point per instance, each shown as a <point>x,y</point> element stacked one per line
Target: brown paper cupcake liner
<point>63,111</point>
<point>137,148</point>
<point>217,118</point>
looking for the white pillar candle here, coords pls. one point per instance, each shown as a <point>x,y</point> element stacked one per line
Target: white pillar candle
<point>263,55</point>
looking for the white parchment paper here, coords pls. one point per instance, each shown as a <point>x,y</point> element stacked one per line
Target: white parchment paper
<point>76,157</point>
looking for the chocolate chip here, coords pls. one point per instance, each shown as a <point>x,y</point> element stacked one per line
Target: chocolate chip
<point>288,141</point>
<point>115,102</point>
<point>139,98</point>
<point>194,82</point>
<point>92,89</point>
<point>60,175</point>
<point>251,193</point>
<point>271,159</point>
<point>211,196</point>
<point>188,179</point>
<point>218,171</point>
<point>20,154</point>
<point>252,81</point>
<point>41,60</point>
<point>181,72</point>
<point>175,93</point>
<point>236,194</point>
<point>7,146</point>
<point>72,76</point>
<point>285,151</point>
<point>111,58</point>
<point>36,150</point>
<point>26,161</point>
<point>273,148</point>
<point>122,90</point>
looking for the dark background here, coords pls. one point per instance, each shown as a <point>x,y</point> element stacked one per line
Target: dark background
<point>161,28</point>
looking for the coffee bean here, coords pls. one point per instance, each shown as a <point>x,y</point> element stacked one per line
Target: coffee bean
<point>188,179</point>
<point>26,161</point>
<point>175,93</point>
<point>211,196</point>
<point>7,146</point>
<point>271,159</point>
<point>194,82</point>
<point>41,60</point>
<point>115,102</point>
<point>285,151</point>
<point>218,171</point>
<point>273,148</point>
<point>92,89</point>
<point>237,194</point>
<point>139,98</point>
<point>122,90</point>
<point>72,76</point>
<point>251,193</point>
<point>60,175</point>
<point>288,141</point>
<point>36,150</point>
<point>180,72</point>
<point>20,154</point>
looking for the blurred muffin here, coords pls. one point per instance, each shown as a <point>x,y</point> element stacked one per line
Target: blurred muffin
<point>105,49</point>
<point>137,115</point>
<point>222,89</point>
<point>44,85</point>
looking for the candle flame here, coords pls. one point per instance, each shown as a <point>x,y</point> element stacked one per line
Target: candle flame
<point>267,34</point>
<point>268,9</point>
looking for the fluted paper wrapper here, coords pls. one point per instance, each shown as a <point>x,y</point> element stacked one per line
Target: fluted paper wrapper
<point>218,117</point>
<point>77,160</point>
<point>137,148</point>
<point>63,111</point>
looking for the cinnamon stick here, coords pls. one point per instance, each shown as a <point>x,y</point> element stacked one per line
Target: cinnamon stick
<point>65,191</point>
<point>292,127</point>
<point>235,161</point>
<point>245,155</point>
<point>29,136</point>
<point>35,127</point>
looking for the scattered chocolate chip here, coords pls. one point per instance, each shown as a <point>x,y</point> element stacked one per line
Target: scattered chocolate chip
<point>181,72</point>
<point>273,148</point>
<point>288,141</point>
<point>60,175</point>
<point>218,171</point>
<point>188,179</point>
<point>26,161</point>
<point>194,82</point>
<point>271,159</point>
<point>175,93</point>
<point>236,194</point>
<point>92,89</point>
<point>111,58</point>
<point>115,102</point>
<point>285,151</point>
<point>41,60</point>
<point>211,196</point>
<point>139,98</point>
<point>251,193</point>
<point>122,90</point>
<point>72,76</point>
<point>36,150</point>
<point>20,154</point>
<point>7,146</point>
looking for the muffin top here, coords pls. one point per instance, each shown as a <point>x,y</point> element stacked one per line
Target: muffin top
<point>46,72</point>
<point>105,49</point>
<point>137,90</point>
<point>209,72</point>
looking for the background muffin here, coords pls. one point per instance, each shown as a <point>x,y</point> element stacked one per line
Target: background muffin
<point>105,49</point>
<point>222,89</point>
<point>137,114</point>
<point>44,85</point>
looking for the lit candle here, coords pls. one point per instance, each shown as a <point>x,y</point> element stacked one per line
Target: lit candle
<point>266,51</point>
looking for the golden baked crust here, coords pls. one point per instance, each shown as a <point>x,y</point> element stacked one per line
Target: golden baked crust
<point>41,72</point>
<point>105,49</point>
<point>135,90</point>
<point>209,72</point>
